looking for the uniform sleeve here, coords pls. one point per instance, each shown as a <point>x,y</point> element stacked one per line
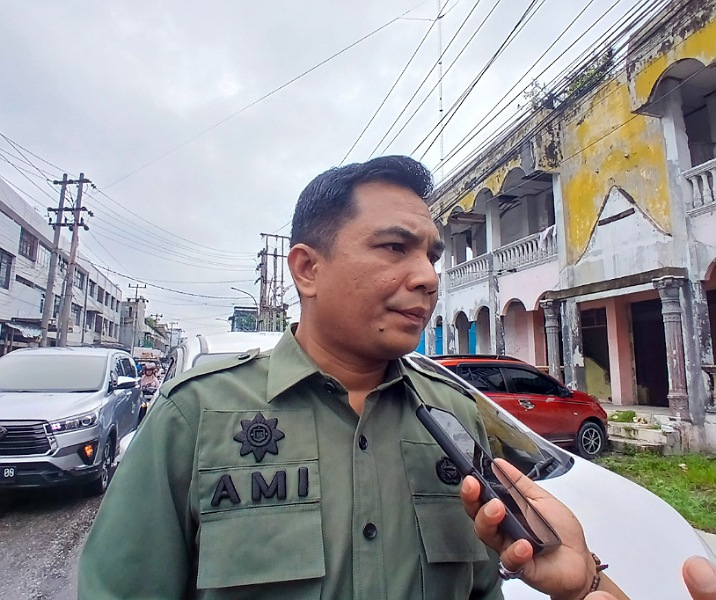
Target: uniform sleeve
<point>142,541</point>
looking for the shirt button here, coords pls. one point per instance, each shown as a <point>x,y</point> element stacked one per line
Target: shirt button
<point>330,387</point>
<point>363,442</point>
<point>370,531</point>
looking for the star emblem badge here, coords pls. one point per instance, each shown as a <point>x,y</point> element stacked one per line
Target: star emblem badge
<point>259,435</point>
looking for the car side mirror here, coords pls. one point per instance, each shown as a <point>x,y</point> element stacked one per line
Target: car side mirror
<point>123,383</point>
<point>565,392</point>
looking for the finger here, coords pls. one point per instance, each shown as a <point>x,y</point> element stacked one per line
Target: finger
<point>528,487</point>
<point>700,578</point>
<point>517,555</point>
<point>599,596</point>
<point>487,521</point>
<point>470,495</point>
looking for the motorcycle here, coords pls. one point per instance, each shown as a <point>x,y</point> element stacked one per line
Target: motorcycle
<point>147,394</point>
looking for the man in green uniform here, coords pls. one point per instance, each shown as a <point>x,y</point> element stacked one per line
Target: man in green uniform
<point>303,472</point>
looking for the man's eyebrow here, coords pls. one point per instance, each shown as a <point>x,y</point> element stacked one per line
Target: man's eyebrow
<point>408,236</point>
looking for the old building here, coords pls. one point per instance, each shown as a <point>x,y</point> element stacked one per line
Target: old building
<point>25,247</point>
<point>583,238</point>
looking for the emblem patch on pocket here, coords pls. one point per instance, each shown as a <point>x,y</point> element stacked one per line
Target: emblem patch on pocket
<point>259,435</point>
<point>447,471</point>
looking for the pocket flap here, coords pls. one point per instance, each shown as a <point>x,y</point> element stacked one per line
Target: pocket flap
<point>447,531</point>
<point>261,546</point>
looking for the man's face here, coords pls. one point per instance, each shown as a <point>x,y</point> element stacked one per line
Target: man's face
<point>377,290</point>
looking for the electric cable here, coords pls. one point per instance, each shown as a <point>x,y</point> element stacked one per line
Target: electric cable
<point>392,88</point>
<point>435,64</point>
<point>453,110</point>
<point>265,96</point>
<point>591,50</point>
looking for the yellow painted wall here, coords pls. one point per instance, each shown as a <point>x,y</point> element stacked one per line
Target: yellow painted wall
<point>700,45</point>
<point>606,145</point>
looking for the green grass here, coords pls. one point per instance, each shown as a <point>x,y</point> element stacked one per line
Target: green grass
<point>687,482</point>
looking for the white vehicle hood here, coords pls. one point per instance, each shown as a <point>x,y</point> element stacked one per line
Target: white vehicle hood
<point>642,539</point>
<point>45,406</point>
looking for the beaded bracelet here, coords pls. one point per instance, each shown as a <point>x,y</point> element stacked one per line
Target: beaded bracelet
<point>597,578</point>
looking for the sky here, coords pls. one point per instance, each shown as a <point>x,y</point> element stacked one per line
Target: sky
<point>200,123</point>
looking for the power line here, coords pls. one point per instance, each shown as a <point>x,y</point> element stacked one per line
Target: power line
<point>390,91</point>
<point>622,33</point>
<point>427,76</point>
<point>476,129</point>
<point>265,96</point>
<point>509,120</point>
<point>453,110</point>
<point>605,135</point>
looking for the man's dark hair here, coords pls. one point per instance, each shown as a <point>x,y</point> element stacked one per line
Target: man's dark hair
<point>327,202</point>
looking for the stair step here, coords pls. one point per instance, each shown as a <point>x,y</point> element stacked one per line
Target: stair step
<point>629,445</point>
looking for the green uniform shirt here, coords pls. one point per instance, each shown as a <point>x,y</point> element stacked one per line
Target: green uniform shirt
<point>254,478</point>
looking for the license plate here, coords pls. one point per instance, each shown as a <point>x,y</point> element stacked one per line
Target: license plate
<point>7,474</point>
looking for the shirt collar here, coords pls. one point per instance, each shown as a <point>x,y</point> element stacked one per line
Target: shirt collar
<point>289,365</point>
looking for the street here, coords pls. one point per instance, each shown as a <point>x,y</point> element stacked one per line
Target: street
<point>42,534</point>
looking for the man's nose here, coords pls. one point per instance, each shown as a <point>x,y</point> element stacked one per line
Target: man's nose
<point>424,275</point>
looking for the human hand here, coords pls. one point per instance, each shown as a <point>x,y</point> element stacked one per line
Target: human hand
<point>565,573</point>
<point>699,575</point>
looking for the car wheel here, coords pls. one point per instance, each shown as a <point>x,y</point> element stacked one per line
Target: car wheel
<point>590,440</point>
<point>99,485</point>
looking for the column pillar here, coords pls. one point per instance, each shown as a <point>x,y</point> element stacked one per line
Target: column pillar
<point>574,375</point>
<point>492,225</point>
<point>551,330</point>
<point>621,361</point>
<point>669,291</point>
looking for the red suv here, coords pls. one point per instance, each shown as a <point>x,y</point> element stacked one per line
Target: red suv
<point>567,418</point>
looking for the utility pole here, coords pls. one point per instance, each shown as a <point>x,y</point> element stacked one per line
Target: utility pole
<point>272,307</point>
<point>171,333</point>
<point>49,306</point>
<point>78,222</point>
<point>136,288</point>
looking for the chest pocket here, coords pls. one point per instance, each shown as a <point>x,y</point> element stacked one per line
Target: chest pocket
<point>450,548</point>
<point>260,533</point>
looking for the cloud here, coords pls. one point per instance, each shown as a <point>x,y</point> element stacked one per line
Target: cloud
<point>124,92</point>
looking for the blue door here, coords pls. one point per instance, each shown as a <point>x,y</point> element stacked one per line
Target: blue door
<point>421,345</point>
<point>472,339</point>
<point>439,340</point>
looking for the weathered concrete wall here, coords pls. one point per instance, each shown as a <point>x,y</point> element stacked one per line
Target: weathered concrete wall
<point>624,241</point>
<point>688,34</point>
<point>606,146</point>
<point>529,285</point>
<point>704,232</point>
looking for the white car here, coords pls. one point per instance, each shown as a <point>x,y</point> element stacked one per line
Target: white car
<point>640,536</point>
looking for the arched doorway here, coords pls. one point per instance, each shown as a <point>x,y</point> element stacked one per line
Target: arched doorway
<point>710,287</point>
<point>439,335</point>
<point>462,329</point>
<point>516,331</point>
<point>482,334</point>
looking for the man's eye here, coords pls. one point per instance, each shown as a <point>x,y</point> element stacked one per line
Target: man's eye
<point>396,247</point>
<point>434,258</point>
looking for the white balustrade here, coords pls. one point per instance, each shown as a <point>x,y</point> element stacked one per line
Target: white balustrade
<point>533,249</point>
<point>701,179</point>
<point>467,272</point>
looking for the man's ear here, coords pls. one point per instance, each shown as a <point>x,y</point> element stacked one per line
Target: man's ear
<point>303,263</point>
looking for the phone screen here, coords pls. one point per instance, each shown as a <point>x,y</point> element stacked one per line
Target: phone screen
<point>523,520</point>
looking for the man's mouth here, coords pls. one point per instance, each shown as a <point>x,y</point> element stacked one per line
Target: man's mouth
<point>416,315</point>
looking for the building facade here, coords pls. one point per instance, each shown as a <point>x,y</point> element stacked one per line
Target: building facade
<point>583,239</point>
<point>25,254</point>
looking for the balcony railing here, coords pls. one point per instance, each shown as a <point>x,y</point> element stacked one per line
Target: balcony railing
<point>529,251</point>
<point>703,193</point>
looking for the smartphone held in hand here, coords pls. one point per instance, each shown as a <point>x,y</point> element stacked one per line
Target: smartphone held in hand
<point>522,519</point>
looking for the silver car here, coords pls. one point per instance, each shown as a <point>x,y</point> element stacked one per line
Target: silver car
<point>62,412</point>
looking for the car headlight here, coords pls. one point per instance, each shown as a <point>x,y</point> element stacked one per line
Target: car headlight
<point>79,422</point>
